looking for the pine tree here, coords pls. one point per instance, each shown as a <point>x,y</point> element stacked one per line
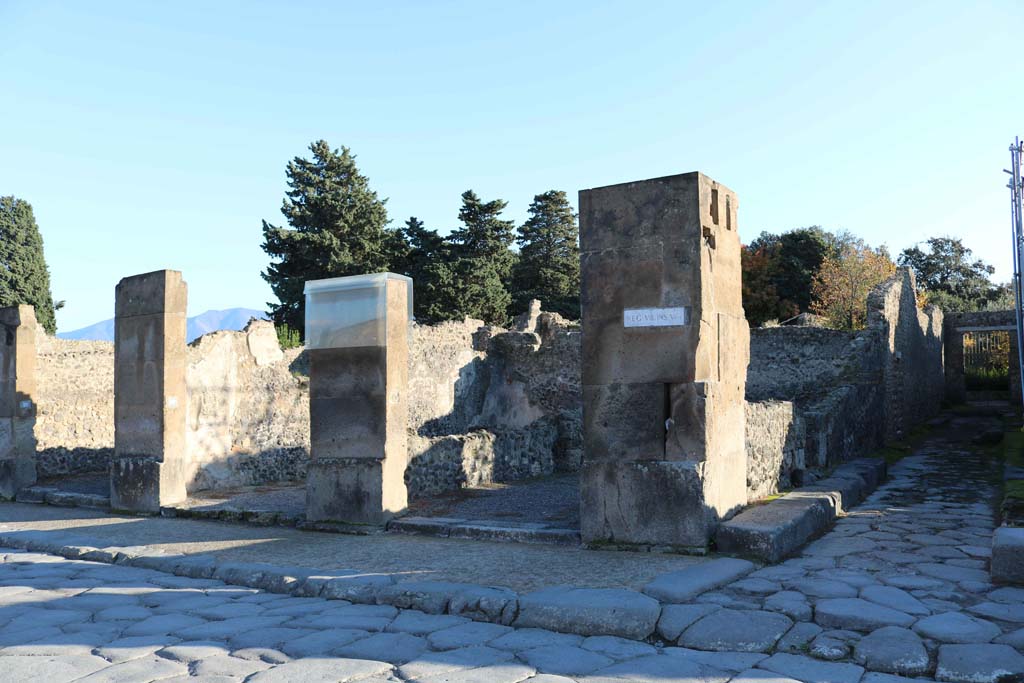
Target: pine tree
<point>549,257</point>
<point>24,277</point>
<point>427,260</point>
<point>482,260</point>
<point>338,227</point>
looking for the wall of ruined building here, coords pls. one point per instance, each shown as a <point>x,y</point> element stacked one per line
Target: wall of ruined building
<point>775,438</point>
<point>854,391</point>
<point>913,379</point>
<point>954,327</point>
<point>485,404</point>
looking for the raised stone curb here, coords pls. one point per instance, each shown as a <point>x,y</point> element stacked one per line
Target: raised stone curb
<point>583,611</point>
<point>686,584</point>
<point>68,499</point>
<point>775,530</point>
<point>1008,555</point>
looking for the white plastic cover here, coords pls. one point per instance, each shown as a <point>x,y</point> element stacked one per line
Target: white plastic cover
<point>343,312</point>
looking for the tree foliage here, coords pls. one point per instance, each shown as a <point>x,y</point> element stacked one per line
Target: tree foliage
<point>337,227</point>
<point>778,271</point>
<point>24,276</point>
<point>840,288</point>
<point>949,276</point>
<point>427,260</point>
<point>548,267</point>
<point>482,260</point>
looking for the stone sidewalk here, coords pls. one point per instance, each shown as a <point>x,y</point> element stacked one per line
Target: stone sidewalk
<point>899,588</point>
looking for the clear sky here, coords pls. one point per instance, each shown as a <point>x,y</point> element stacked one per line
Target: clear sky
<point>155,135</point>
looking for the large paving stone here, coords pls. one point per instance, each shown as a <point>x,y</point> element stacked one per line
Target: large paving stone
<point>686,584</point>
<point>397,648</point>
<point>894,650</point>
<point>811,670</point>
<point>675,618</point>
<point>1007,563</point>
<point>466,635</point>
<point>817,587</point>
<point>50,669</point>
<point>434,664</point>
<point>322,642</point>
<point>1000,611</point>
<point>590,611</point>
<point>978,663</point>
<point>529,638</point>
<point>791,603</point>
<point>569,661</point>
<point>858,615</point>
<point>618,648</point>
<point>736,631</point>
<point>663,669</point>
<point>890,596</point>
<point>321,671</point>
<point>951,572</point>
<point>733,662</point>
<point>954,627</point>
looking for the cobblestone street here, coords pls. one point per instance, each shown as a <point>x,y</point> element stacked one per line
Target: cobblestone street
<point>900,587</point>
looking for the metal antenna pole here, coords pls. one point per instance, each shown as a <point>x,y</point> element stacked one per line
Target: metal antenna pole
<point>1016,217</point>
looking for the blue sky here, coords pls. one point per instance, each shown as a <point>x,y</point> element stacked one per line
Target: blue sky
<point>155,135</point>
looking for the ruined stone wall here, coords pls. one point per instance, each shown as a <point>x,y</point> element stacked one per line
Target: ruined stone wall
<point>75,403</point>
<point>913,380</point>
<point>855,390</point>
<point>775,438</point>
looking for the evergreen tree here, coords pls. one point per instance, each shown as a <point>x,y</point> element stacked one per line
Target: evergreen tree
<point>24,277</point>
<point>427,260</point>
<point>482,261</point>
<point>950,278</point>
<point>338,227</point>
<point>549,257</point>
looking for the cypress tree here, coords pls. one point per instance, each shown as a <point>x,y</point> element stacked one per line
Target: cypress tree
<point>24,277</point>
<point>338,227</point>
<point>549,257</point>
<point>482,260</point>
<point>427,260</point>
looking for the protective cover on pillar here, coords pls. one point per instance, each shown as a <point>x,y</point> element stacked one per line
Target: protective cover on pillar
<point>347,312</point>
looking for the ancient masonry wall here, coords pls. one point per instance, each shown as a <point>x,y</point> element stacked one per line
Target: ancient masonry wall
<point>488,404</point>
<point>851,392</point>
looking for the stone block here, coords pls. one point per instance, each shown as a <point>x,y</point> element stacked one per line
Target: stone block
<point>1008,555</point>
<point>590,611</point>
<point>777,529</point>
<point>624,421</point>
<point>149,392</point>
<point>17,399</point>
<point>644,502</point>
<point>356,490</point>
<point>686,584</point>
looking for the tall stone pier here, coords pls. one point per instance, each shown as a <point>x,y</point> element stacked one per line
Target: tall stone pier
<point>149,392</point>
<point>357,338</point>
<point>17,399</point>
<point>665,353</point>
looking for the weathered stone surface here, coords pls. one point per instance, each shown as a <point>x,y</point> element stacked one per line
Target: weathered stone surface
<point>858,615</point>
<point>590,611</point>
<point>675,618</point>
<point>978,663</point>
<point>807,669</point>
<point>663,404</point>
<point>321,671</point>
<point>777,529</point>
<point>736,631</point>
<point>466,635</point>
<point>660,668</point>
<point>892,649</point>
<point>791,603</point>
<point>686,584</point>
<point>451,662</point>
<point>890,596</point>
<point>358,411</point>
<point>798,639</point>
<point>1008,555</point>
<point>954,627</point>
<point>396,648</point>
<point>617,648</point>
<point>568,660</point>
<point>17,400</point>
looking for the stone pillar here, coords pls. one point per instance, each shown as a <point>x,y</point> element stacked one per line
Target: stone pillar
<point>17,399</point>
<point>665,353</point>
<point>357,338</point>
<point>149,392</point>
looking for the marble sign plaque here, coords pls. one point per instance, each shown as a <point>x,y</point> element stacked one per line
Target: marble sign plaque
<point>656,317</point>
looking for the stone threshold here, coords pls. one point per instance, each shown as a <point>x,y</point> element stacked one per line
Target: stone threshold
<point>1007,564</point>
<point>485,530</point>
<point>50,495</point>
<point>776,530</point>
<point>647,615</point>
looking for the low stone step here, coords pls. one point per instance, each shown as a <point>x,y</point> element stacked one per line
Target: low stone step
<point>50,495</point>
<point>775,530</point>
<point>1008,555</point>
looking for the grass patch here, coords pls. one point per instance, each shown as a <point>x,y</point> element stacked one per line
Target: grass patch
<point>1013,448</point>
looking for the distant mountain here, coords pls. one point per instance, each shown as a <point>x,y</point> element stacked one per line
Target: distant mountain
<point>204,323</point>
